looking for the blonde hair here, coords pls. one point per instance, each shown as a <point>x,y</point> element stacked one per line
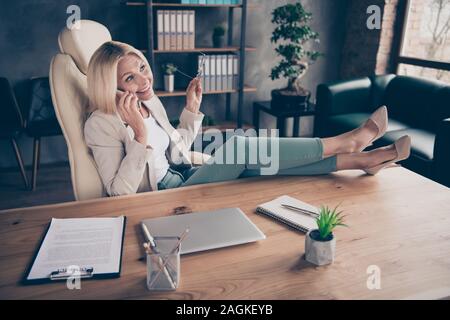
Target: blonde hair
<point>102,75</point>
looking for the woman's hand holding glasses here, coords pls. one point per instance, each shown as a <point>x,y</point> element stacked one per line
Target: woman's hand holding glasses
<point>194,94</point>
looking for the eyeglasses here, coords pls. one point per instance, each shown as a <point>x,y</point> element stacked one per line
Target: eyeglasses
<point>201,67</point>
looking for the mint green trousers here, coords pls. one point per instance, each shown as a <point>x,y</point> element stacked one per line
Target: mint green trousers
<point>295,156</point>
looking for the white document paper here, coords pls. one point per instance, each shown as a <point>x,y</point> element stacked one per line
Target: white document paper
<point>83,242</point>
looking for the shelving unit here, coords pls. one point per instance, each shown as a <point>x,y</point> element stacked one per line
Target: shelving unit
<point>162,4</point>
<point>212,50</point>
<point>178,93</point>
<point>150,51</point>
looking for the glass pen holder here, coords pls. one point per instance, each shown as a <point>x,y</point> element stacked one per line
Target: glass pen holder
<point>163,265</point>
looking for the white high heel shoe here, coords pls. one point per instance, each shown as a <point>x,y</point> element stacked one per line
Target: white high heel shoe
<point>403,148</point>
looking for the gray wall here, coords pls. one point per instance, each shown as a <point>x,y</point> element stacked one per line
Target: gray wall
<point>28,40</point>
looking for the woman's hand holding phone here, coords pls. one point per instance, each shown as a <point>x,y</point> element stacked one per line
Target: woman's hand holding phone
<point>129,113</point>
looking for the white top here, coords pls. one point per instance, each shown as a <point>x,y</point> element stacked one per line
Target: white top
<point>158,139</point>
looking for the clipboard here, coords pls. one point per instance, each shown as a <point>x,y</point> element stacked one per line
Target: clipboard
<point>62,273</point>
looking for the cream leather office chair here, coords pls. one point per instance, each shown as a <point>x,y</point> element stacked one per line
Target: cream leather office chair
<point>69,94</point>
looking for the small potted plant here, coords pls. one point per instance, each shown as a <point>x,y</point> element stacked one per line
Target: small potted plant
<point>293,30</point>
<point>320,244</point>
<point>219,36</point>
<point>169,69</point>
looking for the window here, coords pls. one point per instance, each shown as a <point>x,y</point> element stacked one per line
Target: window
<point>425,45</point>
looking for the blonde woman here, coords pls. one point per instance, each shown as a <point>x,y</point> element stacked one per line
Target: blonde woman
<point>136,149</point>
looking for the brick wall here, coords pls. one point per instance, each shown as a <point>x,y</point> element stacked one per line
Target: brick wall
<point>367,52</point>
<point>386,48</point>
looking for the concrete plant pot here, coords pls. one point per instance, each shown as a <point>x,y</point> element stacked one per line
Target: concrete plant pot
<point>319,252</point>
<point>169,82</point>
<point>283,99</point>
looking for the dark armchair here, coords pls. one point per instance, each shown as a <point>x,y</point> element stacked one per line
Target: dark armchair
<point>11,122</point>
<point>417,107</point>
<point>41,120</point>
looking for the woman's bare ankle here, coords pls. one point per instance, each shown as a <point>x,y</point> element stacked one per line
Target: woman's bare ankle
<point>342,144</point>
<point>363,135</point>
<point>351,161</point>
<point>352,141</point>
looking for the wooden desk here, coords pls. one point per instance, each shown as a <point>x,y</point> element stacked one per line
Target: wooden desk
<point>399,222</point>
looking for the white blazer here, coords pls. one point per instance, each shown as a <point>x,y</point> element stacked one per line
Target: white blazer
<point>125,165</point>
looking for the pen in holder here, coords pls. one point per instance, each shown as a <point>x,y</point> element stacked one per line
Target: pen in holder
<point>163,266</point>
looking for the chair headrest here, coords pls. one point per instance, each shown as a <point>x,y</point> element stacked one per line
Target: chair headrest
<point>81,43</point>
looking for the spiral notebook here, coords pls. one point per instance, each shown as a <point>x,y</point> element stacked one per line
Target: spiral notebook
<point>296,220</point>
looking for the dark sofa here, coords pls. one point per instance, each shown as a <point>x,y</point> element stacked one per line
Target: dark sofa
<point>417,107</point>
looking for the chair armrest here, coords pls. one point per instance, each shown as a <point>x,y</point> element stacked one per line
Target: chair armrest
<point>442,153</point>
<point>379,86</point>
<point>341,98</point>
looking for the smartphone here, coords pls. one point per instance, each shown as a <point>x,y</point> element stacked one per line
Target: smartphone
<point>137,104</point>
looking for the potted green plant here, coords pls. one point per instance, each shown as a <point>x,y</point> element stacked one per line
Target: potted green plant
<point>293,30</point>
<point>320,244</point>
<point>169,69</point>
<point>219,36</point>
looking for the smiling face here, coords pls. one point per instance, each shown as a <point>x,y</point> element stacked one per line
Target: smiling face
<point>134,76</point>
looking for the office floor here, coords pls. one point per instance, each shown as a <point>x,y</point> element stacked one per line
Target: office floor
<point>53,186</point>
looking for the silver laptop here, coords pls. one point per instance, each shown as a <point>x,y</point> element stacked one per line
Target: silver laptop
<point>207,230</point>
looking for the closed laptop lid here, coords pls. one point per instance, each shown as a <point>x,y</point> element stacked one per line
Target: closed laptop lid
<point>207,230</point>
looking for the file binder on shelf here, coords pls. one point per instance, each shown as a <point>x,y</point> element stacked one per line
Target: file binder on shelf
<point>224,72</point>
<point>235,72</point>
<point>230,72</point>
<point>191,27</point>
<point>185,29</point>
<point>218,72</point>
<point>212,66</point>
<point>173,23</point>
<point>160,22</point>
<point>179,30</point>
<point>166,29</point>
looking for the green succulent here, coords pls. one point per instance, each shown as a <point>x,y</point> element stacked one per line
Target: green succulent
<point>328,220</point>
<point>219,31</point>
<point>169,68</point>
